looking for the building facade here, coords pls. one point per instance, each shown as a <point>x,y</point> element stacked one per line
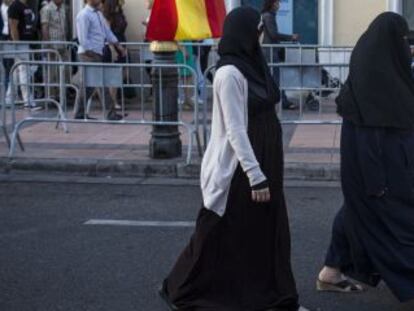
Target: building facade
<point>327,22</point>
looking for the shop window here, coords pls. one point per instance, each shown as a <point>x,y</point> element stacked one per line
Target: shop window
<point>303,20</point>
<point>408,11</point>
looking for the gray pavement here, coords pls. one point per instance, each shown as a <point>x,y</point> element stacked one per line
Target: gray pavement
<point>51,260</point>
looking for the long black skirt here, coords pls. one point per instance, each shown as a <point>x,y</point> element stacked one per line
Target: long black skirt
<point>373,236</point>
<point>241,261</point>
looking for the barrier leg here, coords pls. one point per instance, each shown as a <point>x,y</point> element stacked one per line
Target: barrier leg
<point>190,147</point>
<point>15,138</point>
<point>6,135</point>
<point>19,140</point>
<point>199,146</point>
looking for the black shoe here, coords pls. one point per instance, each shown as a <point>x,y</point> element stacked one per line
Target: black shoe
<point>112,116</point>
<point>81,116</point>
<point>164,296</point>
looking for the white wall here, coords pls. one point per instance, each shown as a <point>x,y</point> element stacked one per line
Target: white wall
<point>352,17</point>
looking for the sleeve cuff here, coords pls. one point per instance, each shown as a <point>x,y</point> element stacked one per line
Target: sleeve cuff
<point>255,176</point>
<point>261,186</point>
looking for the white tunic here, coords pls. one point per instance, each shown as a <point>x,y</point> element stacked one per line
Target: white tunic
<point>229,144</point>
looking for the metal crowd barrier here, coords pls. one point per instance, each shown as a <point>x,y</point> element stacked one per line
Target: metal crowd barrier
<point>312,69</point>
<point>317,71</point>
<point>139,52</point>
<point>23,52</point>
<point>36,45</point>
<point>97,75</point>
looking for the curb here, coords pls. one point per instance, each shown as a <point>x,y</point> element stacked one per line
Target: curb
<point>148,168</point>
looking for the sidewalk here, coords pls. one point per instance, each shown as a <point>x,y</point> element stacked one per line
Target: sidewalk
<point>311,151</point>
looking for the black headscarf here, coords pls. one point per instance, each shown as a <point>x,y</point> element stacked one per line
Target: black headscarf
<point>239,46</point>
<point>379,91</point>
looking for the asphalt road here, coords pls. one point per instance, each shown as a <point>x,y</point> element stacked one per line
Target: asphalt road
<point>51,260</point>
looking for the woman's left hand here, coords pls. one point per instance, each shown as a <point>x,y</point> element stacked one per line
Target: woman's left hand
<point>261,196</point>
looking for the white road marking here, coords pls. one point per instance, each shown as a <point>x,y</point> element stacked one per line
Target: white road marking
<point>137,223</point>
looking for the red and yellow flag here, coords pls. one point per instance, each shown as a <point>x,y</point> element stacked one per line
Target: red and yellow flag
<point>176,20</point>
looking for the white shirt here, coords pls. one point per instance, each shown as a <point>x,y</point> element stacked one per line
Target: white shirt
<point>4,8</point>
<point>229,144</point>
<point>93,31</point>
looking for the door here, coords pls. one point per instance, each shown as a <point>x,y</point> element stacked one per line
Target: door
<point>305,20</point>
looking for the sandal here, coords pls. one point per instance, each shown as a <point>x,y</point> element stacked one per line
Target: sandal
<point>345,286</point>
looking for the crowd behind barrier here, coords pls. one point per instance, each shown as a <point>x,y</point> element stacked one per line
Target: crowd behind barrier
<point>309,72</point>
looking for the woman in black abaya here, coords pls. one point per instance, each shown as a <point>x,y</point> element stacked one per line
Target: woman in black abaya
<point>373,234</point>
<point>238,258</point>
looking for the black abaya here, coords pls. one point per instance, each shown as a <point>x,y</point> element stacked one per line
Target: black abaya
<point>241,262</point>
<point>373,237</point>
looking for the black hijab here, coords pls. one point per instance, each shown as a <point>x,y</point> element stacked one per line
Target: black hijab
<point>239,46</point>
<point>379,91</point>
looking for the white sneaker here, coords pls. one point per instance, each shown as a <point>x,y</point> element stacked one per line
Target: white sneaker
<point>35,108</point>
<point>32,107</point>
<point>199,99</point>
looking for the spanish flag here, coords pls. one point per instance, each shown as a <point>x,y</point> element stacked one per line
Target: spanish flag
<point>176,20</point>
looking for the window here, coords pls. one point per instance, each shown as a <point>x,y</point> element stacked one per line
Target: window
<point>304,19</point>
<point>408,11</point>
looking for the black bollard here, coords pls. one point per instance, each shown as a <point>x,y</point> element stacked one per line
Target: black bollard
<point>165,142</point>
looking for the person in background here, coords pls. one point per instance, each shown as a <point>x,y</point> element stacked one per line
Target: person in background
<point>54,28</point>
<point>185,56</point>
<point>22,27</point>
<point>4,8</point>
<point>1,17</point>
<point>373,233</point>
<point>204,57</point>
<point>93,34</point>
<point>201,52</point>
<point>271,35</point>
<point>114,14</point>
<point>5,36</point>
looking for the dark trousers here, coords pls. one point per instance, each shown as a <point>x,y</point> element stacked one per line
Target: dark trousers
<point>7,63</point>
<point>204,57</point>
<point>338,254</point>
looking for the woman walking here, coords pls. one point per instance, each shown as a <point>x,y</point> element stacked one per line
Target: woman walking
<point>114,14</point>
<point>239,255</point>
<point>373,234</point>
<point>271,35</point>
